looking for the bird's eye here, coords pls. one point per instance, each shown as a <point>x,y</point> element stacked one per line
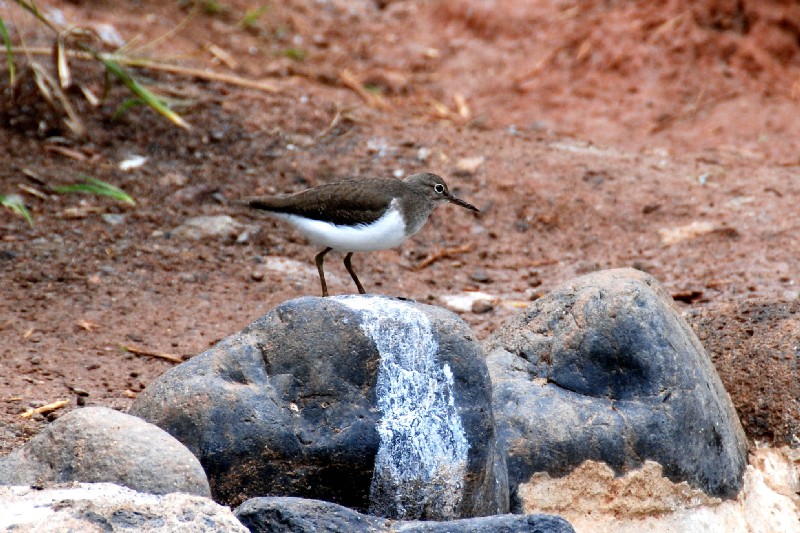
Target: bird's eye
<point>438,188</point>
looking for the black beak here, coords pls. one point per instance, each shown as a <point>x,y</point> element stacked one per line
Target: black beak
<point>462,203</point>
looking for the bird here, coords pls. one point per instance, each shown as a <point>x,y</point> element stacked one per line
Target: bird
<point>359,215</point>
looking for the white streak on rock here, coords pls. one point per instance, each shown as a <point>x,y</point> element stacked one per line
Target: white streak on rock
<point>422,458</point>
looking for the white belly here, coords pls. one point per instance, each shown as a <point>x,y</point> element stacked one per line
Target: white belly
<point>386,232</point>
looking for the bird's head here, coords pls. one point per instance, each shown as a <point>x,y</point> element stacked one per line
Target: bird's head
<point>435,189</point>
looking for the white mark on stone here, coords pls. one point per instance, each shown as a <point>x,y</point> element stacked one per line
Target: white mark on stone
<point>422,458</point>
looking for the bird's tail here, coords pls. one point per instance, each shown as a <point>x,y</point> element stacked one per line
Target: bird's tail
<point>266,203</point>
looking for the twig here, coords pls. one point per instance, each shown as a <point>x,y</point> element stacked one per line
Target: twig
<point>160,355</point>
<point>165,67</point>
<point>542,262</point>
<point>442,254</point>
<point>223,56</point>
<point>49,408</point>
<point>665,121</point>
<point>351,82</point>
<point>207,75</point>
<point>32,191</point>
<point>68,152</point>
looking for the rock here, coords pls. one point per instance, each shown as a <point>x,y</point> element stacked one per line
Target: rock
<point>469,165</point>
<point>108,507</point>
<point>298,515</point>
<point>113,219</point>
<point>754,344</point>
<point>207,227</point>
<point>594,500</point>
<point>482,306</point>
<point>465,302</point>
<point>97,444</point>
<point>605,368</point>
<point>481,276</point>
<point>366,401</point>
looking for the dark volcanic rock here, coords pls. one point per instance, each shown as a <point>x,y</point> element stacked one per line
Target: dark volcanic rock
<point>298,515</point>
<point>97,444</point>
<point>605,368</point>
<point>366,401</point>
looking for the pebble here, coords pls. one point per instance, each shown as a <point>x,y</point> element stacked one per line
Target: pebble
<point>113,219</point>
<point>481,276</point>
<point>257,275</point>
<point>481,306</point>
<point>469,165</point>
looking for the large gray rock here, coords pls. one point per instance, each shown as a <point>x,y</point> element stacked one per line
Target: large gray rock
<point>298,515</point>
<point>99,507</point>
<point>97,444</point>
<point>371,402</point>
<point>605,368</point>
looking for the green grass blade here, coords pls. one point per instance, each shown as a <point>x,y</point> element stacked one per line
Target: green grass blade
<point>252,15</point>
<point>9,53</point>
<point>95,186</point>
<point>295,53</point>
<point>14,203</point>
<point>149,98</point>
<point>133,86</point>
<point>124,107</point>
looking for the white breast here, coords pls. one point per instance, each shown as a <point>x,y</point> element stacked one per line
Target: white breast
<point>386,232</point>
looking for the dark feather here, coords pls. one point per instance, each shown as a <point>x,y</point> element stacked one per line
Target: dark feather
<point>343,203</point>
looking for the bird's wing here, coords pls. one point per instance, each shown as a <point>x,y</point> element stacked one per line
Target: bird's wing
<point>343,203</point>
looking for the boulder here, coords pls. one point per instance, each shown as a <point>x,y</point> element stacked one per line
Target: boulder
<point>367,401</point>
<point>605,368</point>
<point>97,444</point>
<point>90,507</point>
<point>298,515</point>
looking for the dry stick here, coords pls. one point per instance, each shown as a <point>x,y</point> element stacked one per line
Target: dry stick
<point>50,407</point>
<point>33,192</point>
<point>542,262</point>
<point>160,355</point>
<point>692,112</point>
<point>172,69</point>
<point>349,80</point>
<point>442,254</point>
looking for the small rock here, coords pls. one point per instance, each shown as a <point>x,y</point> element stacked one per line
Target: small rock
<point>113,219</point>
<point>469,165</point>
<point>97,444</point>
<point>108,507</point>
<point>463,302</point>
<point>481,306</point>
<point>300,515</point>
<point>481,276</point>
<point>134,161</point>
<point>205,227</point>
<point>192,194</point>
<point>173,179</point>
<point>257,275</point>
<point>188,277</point>
<point>681,233</point>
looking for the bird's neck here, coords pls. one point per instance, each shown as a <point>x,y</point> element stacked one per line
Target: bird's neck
<point>414,213</point>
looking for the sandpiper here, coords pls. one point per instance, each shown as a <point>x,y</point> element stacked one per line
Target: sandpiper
<point>360,215</point>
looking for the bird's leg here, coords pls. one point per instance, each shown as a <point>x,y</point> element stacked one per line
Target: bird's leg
<point>352,272</point>
<point>320,257</point>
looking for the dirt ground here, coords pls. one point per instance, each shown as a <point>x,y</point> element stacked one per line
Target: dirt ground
<point>591,135</point>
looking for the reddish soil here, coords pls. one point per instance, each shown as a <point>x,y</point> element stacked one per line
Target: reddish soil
<point>661,137</point>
